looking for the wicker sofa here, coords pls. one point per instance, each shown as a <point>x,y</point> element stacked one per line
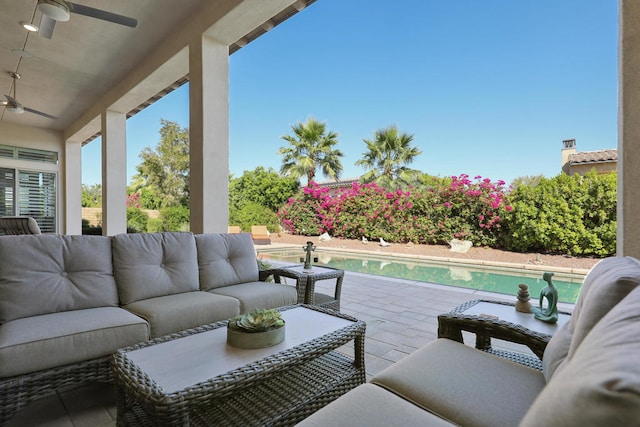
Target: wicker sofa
<point>68,302</point>
<point>590,377</point>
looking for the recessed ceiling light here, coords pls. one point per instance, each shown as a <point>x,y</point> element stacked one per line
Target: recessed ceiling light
<point>29,26</point>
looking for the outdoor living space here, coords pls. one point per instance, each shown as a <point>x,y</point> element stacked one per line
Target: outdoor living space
<point>401,316</point>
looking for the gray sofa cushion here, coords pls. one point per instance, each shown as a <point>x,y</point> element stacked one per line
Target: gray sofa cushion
<point>464,385</point>
<point>42,342</point>
<point>600,383</point>
<point>154,264</point>
<point>226,259</point>
<point>45,273</point>
<point>254,295</point>
<point>372,406</point>
<point>174,313</point>
<point>608,282</point>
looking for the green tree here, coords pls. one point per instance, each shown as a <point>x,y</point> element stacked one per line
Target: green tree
<point>91,196</point>
<point>387,157</point>
<point>165,170</point>
<point>311,147</point>
<point>262,186</point>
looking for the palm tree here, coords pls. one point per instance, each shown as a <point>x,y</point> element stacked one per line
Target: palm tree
<point>311,147</point>
<point>386,159</point>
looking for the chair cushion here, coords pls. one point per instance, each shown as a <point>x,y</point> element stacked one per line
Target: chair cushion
<point>174,313</point>
<point>226,259</point>
<point>46,273</point>
<point>254,295</point>
<point>151,265</point>
<point>464,385</point>
<point>600,383</point>
<point>372,406</point>
<point>51,340</point>
<point>608,282</point>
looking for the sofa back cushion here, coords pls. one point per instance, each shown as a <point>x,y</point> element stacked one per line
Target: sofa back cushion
<point>608,282</point>
<point>154,264</point>
<point>226,259</point>
<point>600,384</point>
<point>46,273</point>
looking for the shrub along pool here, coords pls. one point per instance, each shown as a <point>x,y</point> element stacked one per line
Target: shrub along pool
<point>481,277</point>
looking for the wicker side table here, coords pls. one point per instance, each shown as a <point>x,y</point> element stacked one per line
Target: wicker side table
<point>498,319</point>
<point>306,283</point>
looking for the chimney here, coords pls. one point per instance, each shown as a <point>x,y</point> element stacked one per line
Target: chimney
<point>569,148</point>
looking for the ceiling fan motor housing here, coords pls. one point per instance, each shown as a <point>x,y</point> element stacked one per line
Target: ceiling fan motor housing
<point>54,9</point>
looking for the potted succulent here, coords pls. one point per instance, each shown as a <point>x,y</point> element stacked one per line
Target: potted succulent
<point>258,329</point>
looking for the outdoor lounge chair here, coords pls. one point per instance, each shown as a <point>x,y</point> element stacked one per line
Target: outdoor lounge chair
<point>260,235</point>
<point>234,229</point>
<point>11,225</point>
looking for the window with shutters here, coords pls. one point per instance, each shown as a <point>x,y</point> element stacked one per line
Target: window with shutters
<point>29,193</point>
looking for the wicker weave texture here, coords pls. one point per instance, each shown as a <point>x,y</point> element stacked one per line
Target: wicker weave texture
<point>280,389</point>
<point>306,281</point>
<point>18,392</point>
<point>452,324</point>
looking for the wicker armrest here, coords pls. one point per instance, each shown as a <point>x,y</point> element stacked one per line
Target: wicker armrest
<point>451,325</point>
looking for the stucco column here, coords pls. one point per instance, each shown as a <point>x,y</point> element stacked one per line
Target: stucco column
<point>72,188</point>
<point>628,236</point>
<point>114,173</point>
<point>209,135</point>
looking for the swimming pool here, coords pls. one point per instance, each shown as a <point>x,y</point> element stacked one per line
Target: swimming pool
<point>486,278</point>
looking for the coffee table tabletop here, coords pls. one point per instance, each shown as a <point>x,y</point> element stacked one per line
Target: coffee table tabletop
<point>195,378</point>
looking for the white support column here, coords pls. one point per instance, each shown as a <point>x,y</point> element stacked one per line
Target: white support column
<point>114,173</point>
<point>72,188</point>
<point>628,235</point>
<point>209,135</point>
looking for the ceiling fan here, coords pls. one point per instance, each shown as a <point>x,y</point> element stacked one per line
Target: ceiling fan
<point>59,10</point>
<point>12,104</point>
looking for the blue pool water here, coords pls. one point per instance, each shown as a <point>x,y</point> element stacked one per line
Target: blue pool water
<point>489,279</point>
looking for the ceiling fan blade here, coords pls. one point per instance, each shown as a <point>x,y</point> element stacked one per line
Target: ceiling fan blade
<point>103,15</point>
<point>31,110</point>
<point>46,26</point>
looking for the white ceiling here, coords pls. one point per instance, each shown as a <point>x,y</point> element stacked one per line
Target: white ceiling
<point>69,73</point>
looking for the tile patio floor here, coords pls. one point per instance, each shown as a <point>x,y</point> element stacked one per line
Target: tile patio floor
<point>401,316</point>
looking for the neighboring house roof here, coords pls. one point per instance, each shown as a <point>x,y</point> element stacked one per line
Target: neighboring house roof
<point>340,183</point>
<point>599,156</point>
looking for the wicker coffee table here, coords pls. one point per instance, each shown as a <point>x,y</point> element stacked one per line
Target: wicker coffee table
<point>498,319</point>
<point>195,378</point>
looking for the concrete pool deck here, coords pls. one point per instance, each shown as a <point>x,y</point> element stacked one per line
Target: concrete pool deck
<point>529,266</point>
<point>401,316</point>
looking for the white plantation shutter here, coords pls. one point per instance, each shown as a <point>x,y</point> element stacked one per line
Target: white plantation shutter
<point>37,198</point>
<point>7,192</point>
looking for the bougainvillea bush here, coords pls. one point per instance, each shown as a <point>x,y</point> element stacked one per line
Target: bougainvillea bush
<point>456,207</point>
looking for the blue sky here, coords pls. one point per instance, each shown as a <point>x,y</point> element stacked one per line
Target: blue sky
<point>487,88</point>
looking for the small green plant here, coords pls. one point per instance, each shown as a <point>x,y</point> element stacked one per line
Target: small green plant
<point>259,320</point>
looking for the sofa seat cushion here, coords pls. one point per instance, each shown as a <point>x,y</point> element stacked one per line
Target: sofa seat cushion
<point>599,385</point>
<point>464,385</point>
<point>175,313</point>
<point>149,265</point>
<point>41,342</point>
<point>226,259</point>
<point>254,295</point>
<point>372,406</point>
<point>46,273</point>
